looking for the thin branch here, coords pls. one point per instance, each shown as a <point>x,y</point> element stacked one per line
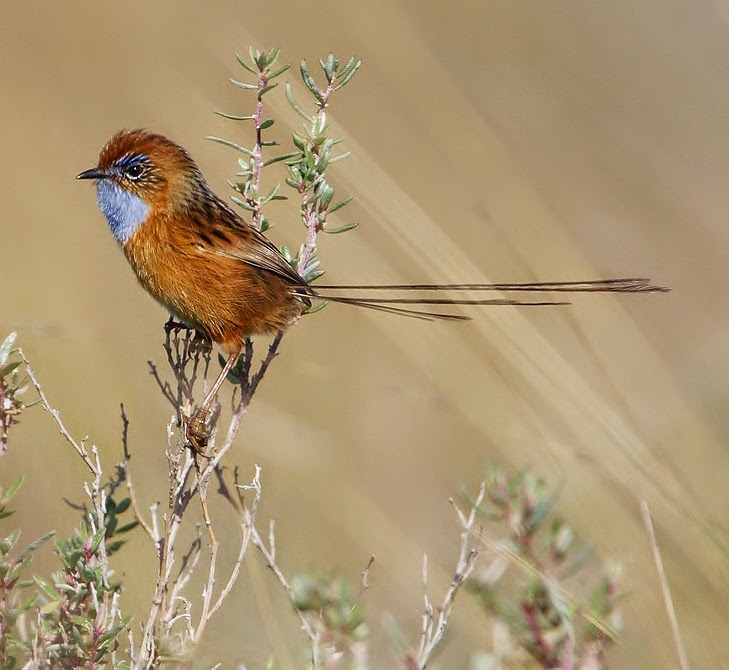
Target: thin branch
<point>309,211</point>
<point>434,627</point>
<point>257,157</point>
<point>187,566</point>
<point>364,579</point>
<point>248,517</point>
<point>79,447</point>
<point>269,553</point>
<point>128,478</point>
<point>210,584</point>
<point>248,388</point>
<point>163,386</point>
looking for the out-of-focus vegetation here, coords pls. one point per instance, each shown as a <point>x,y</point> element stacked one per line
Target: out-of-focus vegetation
<point>74,618</point>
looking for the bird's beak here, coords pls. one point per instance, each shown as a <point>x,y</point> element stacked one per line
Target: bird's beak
<point>93,173</point>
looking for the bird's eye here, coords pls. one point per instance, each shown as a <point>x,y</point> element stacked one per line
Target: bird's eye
<point>134,171</point>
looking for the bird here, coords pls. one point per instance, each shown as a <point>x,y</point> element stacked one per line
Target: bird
<point>221,276</point>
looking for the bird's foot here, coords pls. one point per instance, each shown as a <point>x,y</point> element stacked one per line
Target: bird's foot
<point>198,429</point>
<point>171,325</point>
<point>201,344</point>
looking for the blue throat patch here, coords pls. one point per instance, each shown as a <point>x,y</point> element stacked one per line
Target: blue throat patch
<point>124,211</point>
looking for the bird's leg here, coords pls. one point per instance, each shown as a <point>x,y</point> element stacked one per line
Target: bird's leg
<point>229,363</point>
<point>196,427</point>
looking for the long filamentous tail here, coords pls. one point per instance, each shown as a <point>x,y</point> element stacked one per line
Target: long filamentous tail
<point>331,293</point>
<point>630,285</point>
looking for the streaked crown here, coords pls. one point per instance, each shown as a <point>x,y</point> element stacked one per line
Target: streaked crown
<point>141,162</point>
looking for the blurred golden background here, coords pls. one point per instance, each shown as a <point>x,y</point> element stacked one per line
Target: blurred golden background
<point>500,141</point>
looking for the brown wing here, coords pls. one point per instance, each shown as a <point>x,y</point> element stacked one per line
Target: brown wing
<point>258,250</point>
<point>226,234</point>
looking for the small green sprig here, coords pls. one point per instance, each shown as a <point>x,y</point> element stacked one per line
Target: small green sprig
<point>335,615</point>
<point>13,385</point>
<point>17,596</point>
<point>263,65</point>
<point>308,168</point>
<point>71,620</point>
<point>307,164</point>
<point>79,623</point>
<point>546,620</point>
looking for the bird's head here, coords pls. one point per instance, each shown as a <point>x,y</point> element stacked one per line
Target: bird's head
<point>140,172</point>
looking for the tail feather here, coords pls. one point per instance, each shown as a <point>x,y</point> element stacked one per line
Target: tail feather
<point>329,293</point>
<point>383,306</point>
<point>628,285</point>
<point>377,300</point>
<point>389,304</point>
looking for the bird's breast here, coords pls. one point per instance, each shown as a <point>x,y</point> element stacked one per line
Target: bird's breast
<point>124,211</point>
<point>220,295</point>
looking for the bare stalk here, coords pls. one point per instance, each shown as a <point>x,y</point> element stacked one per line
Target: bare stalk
<point>435,621</point>
<point>80,447</point>
<point>269,553</point>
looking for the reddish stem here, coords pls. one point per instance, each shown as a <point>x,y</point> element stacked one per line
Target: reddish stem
<point>542,650</point>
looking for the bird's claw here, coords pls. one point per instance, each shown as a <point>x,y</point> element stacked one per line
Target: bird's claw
<point>171,324</point>
<point>197,430</point>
